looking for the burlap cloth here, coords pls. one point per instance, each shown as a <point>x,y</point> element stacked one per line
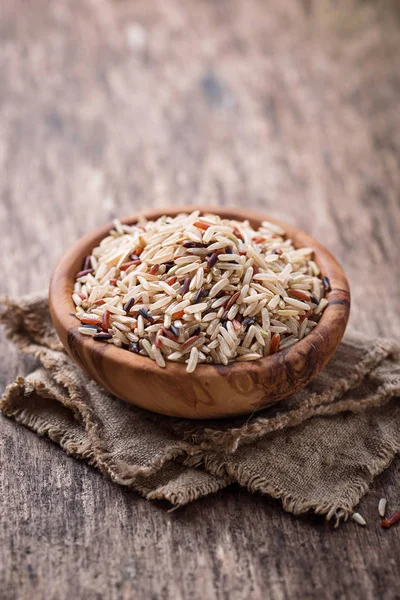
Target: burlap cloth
<point>317,450</point>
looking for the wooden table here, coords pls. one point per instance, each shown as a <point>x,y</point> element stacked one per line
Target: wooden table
<point>110,105</point>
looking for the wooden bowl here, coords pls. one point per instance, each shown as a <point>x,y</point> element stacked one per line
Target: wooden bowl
<point>211,390</point>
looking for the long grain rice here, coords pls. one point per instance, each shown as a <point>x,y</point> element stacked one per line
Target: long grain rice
<point>199,289</point>
<point>382,507</point>
<point>192,362</point>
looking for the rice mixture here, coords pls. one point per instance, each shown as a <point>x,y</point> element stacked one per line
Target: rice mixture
<point>199,289</point>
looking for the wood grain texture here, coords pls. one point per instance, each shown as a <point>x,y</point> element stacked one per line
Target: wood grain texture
<point>112,106</point>
<point>209,392</point>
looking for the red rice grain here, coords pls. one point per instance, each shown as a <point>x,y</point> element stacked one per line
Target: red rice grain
<point>275,341</point>
<point>390,521</point>
<point>106,320</point>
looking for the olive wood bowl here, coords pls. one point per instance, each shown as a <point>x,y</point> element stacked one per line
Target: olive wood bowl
<point>211,390</point>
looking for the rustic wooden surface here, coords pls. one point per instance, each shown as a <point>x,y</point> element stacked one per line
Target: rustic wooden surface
<point>107,106</point>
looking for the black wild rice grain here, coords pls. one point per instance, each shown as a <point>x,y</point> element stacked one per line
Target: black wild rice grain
<point>249,321</point>
<point>129,305</point>
<point>314,300</point>
<point>134,347</point>
<point>102,337</point>
<point>195,331</point>
<point>198,296</point>
<point>220,294</point>
<point>185,287</point>
<point>168,265</point>
<point>327,284</point>
<point>174,330</point>
<point>194,245</point>
<point>211,260</point>
<point>145,315</point>
<point>87,326</point>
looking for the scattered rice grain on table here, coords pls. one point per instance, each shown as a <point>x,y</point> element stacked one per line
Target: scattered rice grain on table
<point>359,519</point>
<point>382,507</point>
<point>199,289</point>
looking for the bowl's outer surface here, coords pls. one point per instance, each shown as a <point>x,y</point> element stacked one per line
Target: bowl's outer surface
<point>211,390</point>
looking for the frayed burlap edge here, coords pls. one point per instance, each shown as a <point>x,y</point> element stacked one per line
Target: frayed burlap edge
<point>297,506</point>
<point>326,404</point>
<point>33,339</point>
<point>93,451</point>
<point>224,469</point>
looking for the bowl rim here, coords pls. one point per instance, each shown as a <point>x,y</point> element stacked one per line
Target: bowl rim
<point>62,307</point>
